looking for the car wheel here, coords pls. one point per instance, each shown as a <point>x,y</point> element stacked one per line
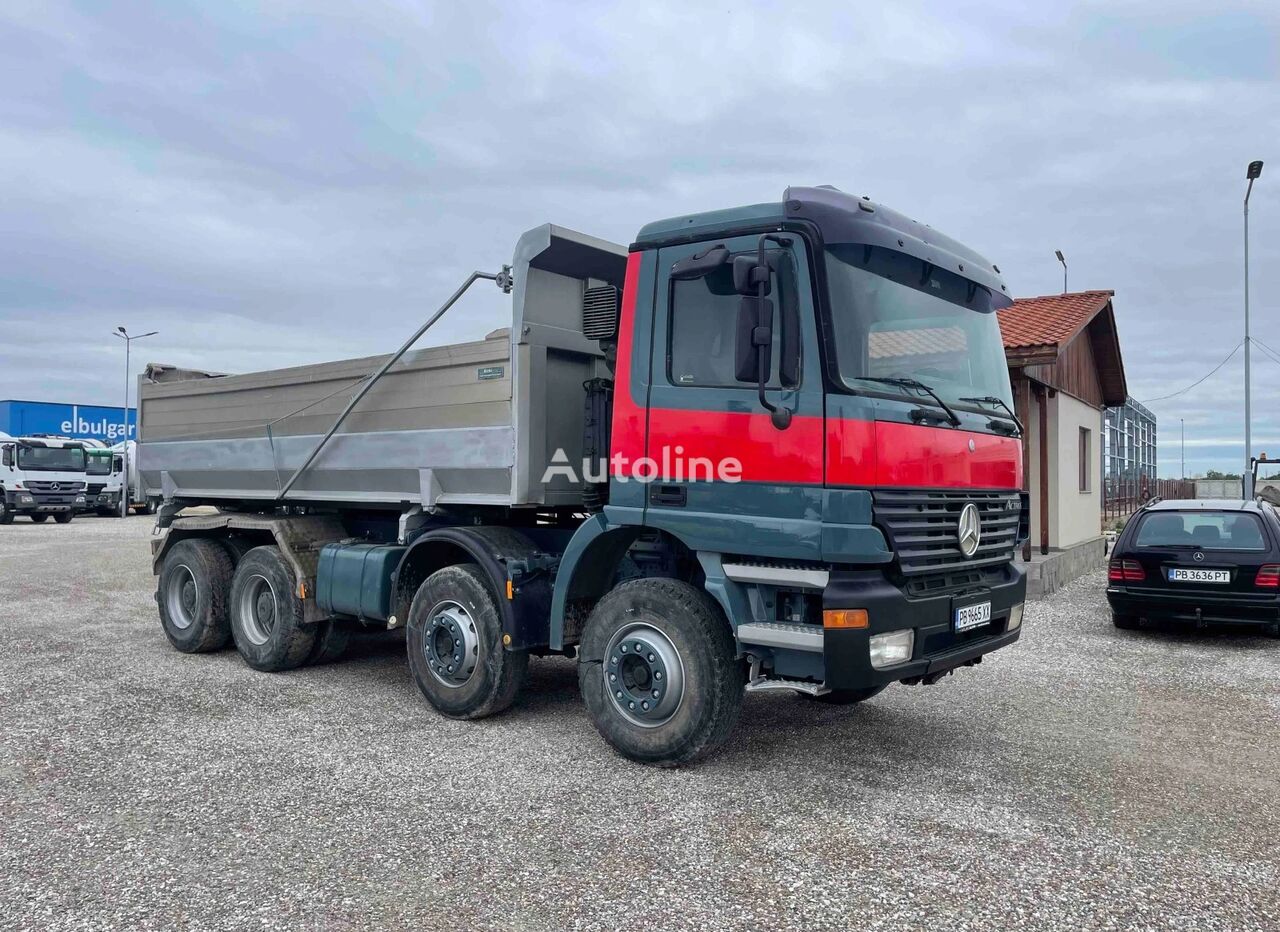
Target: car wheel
<point>454,642</point>
<point>658,673</point>
<point>266,613</point>
<point>195,580</point>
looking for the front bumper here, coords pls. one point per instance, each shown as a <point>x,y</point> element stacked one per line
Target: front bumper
<point>1195,607</point>
<point>938,648</point>
<point>20,502</point>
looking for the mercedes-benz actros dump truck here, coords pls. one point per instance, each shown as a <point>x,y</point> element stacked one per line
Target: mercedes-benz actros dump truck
<point>41,476</point>
<point>767,448</point>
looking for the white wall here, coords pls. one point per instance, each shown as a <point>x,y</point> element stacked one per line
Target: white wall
<point>1074,516</point>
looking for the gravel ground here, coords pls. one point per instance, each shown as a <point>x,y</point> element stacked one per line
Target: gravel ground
<point>1085,778</point>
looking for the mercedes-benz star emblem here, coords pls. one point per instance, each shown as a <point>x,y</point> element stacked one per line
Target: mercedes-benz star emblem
<point>55,486</point>
<point>969,529</point>
<point>1197,556</point>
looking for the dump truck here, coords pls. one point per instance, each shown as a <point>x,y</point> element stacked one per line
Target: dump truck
<point>763,448</point>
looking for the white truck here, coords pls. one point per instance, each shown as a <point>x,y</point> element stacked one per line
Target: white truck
<point>104,476</point>
<point>41,476</point>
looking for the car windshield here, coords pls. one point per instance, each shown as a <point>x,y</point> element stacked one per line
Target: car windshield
<point>1203,530</point>
<point>899,317</point>
<point>51,459</point>
<point>99,466</point>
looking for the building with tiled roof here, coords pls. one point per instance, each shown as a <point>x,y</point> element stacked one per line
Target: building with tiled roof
<point>1065,366</point>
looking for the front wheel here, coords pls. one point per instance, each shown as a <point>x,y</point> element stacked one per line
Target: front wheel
<point>455,647</point>
<point>63,517</point>
<point>658,673</point>
<point>39,519</point>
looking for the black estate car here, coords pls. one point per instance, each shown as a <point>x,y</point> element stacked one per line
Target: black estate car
<point>1197,561</point>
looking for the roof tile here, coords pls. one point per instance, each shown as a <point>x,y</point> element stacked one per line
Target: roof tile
<point>1049,320</point>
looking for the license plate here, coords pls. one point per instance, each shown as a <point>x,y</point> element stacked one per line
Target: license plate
<point>973,616</point>
<point>1178,574</point>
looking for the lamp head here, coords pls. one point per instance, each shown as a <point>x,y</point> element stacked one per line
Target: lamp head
<point>1061,257</point>
<point>1255,170</point>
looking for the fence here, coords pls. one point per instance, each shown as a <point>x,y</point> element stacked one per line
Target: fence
<point>1122,497</point>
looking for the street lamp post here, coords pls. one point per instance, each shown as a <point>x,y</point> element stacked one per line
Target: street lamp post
<point>1253,172</point>
<point>124,483</point>
<point>1183,425</point>
<point>1063,260</point>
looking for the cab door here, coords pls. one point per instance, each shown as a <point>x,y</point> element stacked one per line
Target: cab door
<point>724,477</point>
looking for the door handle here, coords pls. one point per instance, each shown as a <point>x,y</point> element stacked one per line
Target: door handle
<point>676,496</point>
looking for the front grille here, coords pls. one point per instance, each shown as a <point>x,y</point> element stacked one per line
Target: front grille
<point>921,528</point>
<point>49,486</point>
<point>95,488</point>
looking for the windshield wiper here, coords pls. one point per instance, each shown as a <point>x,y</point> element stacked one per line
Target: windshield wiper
<point>999,403</point>
<point>920,387</point>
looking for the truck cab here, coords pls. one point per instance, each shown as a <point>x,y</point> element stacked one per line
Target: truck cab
<point>104,469</point>
<point>41,476</point>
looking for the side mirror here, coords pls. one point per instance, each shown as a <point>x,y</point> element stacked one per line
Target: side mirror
<point>8,457</point>
<point>753,358</point>
<point>701,264</point>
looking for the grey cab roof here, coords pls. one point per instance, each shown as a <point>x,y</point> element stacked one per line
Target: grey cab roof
<point>843,218</point>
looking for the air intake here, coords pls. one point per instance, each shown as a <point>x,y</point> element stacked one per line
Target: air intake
<point>600,312</point>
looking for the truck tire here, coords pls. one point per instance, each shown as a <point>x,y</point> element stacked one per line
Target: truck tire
<point>195,581</point>
<point>332,638</point>
<point>39,519</point>
<point>657,671</point>
<point>846,696</point>
<point>266,613</point>
<point>6,516</point>
<point>63,517</point>
<point>454,641</point>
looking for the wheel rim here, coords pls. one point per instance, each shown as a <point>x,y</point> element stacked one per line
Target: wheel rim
<point>644,675</point>
<point>451,644</point>
<point>182,596</point>
<point>257,609</point>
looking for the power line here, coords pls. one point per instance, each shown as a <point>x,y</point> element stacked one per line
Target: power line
<point>1180,391</point>
<point>1266,349</point>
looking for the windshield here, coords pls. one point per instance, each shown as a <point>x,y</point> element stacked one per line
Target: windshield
<point>899,317</point>
<point>1204,530</point>
<point>99,465</point>
<point>50,459</point>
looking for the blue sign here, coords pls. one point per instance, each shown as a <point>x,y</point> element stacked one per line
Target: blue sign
<point>80,422</point>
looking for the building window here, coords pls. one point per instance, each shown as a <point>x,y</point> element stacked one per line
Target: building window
<point>1086,459</point>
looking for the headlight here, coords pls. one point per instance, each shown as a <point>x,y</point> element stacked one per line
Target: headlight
<point>892,648</point>
<point>25,499</point>
<point>80,499</point>
<point>1015,617</point>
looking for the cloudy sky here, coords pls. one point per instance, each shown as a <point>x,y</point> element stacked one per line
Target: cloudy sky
<point>268,185</point>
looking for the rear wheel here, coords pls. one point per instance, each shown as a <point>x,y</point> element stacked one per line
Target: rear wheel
<point>39,519</point>
<point>332,638</point>
<point>266,613</point>
<point>455,647</point>
<point>658,673</point>
<point>192,595</point>
<point>62,517</point>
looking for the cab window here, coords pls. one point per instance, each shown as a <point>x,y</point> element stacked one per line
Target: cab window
<point>703,326</point>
